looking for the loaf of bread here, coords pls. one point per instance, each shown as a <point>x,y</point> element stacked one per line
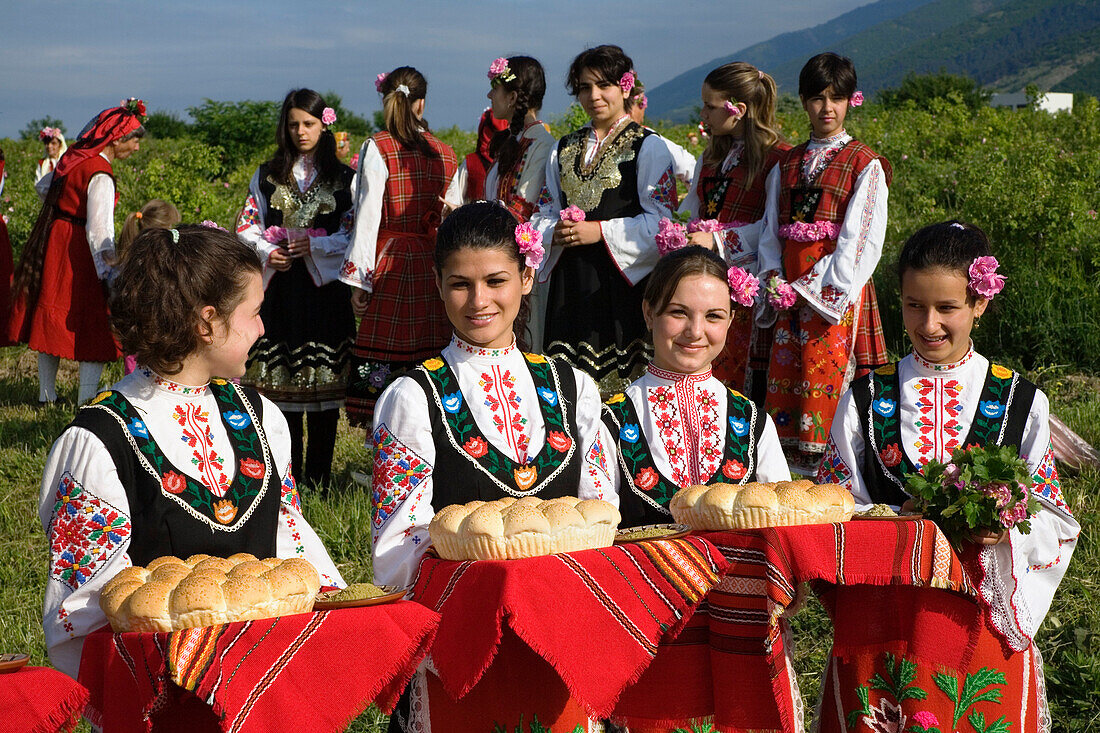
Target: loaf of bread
<point>170,594</point>
<point>506,529</point>
<point>726,506</point>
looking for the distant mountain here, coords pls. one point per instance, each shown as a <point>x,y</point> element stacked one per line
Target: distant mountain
<point>1003,44</point>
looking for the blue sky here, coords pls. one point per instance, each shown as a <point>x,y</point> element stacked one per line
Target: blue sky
<point>71,59</point>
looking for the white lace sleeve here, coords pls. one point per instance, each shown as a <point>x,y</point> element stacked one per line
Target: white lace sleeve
<point>100,226</point>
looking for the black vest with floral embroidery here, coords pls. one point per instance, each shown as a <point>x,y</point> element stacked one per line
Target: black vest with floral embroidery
<point>469,467</point>
<point>650,490</point>
<point>174,514</point>
<point>1000,419</point>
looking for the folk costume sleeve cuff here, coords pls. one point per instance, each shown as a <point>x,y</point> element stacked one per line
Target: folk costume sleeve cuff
<point>599,453</point>
<point>690,205</point>
<point>456,191</point>
<point>359,262</point>
<point>100,227</point>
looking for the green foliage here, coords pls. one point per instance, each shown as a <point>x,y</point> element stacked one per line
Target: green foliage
<point>572,119</point>
<point>243,130</point>
<point>864,694</point>
<point>31,129</point>
<point>922,88</point>
<point>182,172</point>
<point>162,124</point>
<point>973,691</point>
<point>355,124</point>
<point>898,680</point>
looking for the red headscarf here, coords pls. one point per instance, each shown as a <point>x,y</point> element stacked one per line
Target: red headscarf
<point>479,161</point>
<point>106,127</point>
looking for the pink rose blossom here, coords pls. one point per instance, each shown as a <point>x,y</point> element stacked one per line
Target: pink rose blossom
<point>1092,213</point>
<point>856,100</point>
<point>212,225</point>
<point>671,236</point>
<point>809,231</point>
<point>379,81</point>
<point>951,472</point>
<point>925,719</point>
<point>984,280</point>
<point>781,295</point>
<point>733,110</point>
<point>530,244</point>
<point>704,225</point>
<point>743,286</point>
<point>641,102</point>
<point>328,115</point>
<point>626,82</point>
<point>572,213</point>
<point>498,67</point>
<point>274,235</point>
<point>354,162</point>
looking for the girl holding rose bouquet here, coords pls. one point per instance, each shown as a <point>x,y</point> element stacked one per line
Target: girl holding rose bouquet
<point>678,425</point>
<point>946,404</point>
<point>728,194</point>
<point>298,215</point>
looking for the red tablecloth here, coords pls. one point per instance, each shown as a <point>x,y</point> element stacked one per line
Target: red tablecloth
<point>40,700</point>
<point>313,671</point>
<point>730,664</point>
<point>595,617</point>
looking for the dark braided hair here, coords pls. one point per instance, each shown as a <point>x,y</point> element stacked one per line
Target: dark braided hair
<point>529,84</point>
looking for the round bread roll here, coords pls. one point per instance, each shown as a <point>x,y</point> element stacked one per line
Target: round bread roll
<point>176,596</point>
<point>715,505</point>
<point>754,505</point>
<point>239,557</point>
<point>526,532</point>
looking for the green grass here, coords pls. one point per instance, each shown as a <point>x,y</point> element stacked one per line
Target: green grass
<point>1069,640</point>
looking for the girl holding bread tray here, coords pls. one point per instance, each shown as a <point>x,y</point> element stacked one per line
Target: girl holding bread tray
<point>483,420</point>
<point>678,425</point>
<point>174,459</point>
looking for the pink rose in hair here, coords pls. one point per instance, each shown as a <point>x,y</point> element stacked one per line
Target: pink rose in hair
<point>498,67</point>
<point>379,81</point>
<point>212,225</point>
<point>328,115</point>
<point>984,280</point>
<point>733,110</point>
<point>856,100</point>
<point>671,236</point>
<point>743,286</point>
<point>572,213</point>
<point>529,242</point>
<point>626,82</point>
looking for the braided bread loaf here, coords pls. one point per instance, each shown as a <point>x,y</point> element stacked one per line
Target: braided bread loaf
<point>508,528</point>
<point>727,506</point>
<point>170,594</point>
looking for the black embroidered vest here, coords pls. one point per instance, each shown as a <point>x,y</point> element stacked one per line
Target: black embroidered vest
<point>650,490</point>
<point>174,514</point>
<point>469,467</point>
<point>607,189</point>
<point>321,205</point>
<point>1000,419</point>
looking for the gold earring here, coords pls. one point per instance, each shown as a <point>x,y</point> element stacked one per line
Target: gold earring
<point>977,321</point>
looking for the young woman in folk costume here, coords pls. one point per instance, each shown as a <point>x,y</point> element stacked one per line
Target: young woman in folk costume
<point>744,146</point>
<point>942,397</point>
<point>825,224</point>
<point>678,425</point>
<point>173,459</point>
<point>617,176</point>
<point>298,216</point>
<point>403,172</point>
<point>54,141</point>
<point>59,303</point>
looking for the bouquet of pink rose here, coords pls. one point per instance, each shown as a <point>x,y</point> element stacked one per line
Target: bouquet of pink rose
<point>979,489</point>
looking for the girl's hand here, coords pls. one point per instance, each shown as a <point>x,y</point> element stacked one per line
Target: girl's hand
<point>297,243</point>
<point>360,299</point>
<point>577,233</point>
<point>703,239</point>
<point>279,260</point>
<point>985,537</point>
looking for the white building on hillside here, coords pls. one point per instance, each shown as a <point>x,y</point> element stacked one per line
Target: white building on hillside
<point>1048,101</point>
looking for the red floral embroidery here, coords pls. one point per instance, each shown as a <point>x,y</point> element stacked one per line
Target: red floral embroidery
<point>734,470</point>
<point>937,423</point>
<point>646,479</point>
<point>173,482</point>
<point>559,441</point>
<point>252,468</point>
<point>195,422</point>
<point>476,446</point>
<point>504,406</point>
<point>891,455</point>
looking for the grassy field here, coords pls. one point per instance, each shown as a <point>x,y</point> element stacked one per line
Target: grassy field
<point>1070,638</point>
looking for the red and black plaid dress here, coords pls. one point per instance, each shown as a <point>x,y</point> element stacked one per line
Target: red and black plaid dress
<point>730,198</point>
<point>405,321</point>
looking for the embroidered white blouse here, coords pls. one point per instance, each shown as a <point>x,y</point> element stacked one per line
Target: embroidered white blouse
<point>683,162</point>
<point>630,241</point>
<point>370,189</point>
<point>938,404</point>
<point>86,514</point>
<point>497,387</point>
<point>683,420</point>
<point>326,253</point>
<point>858,247</point>
<point>532,174</point>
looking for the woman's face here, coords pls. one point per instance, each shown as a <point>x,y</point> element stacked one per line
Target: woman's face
<point>482,290</point>
<point>690,332</point>
<point>53,147</point>
<point>715,115</point>
<point>602,100</point>
<point>304,130</point>
<point>503,102</point>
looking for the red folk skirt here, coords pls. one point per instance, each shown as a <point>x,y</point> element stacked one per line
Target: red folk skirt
<point>70,317</point>
<point>405,321</point>
<point>6,267</point>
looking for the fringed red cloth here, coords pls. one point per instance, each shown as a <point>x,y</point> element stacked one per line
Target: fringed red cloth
<point>596,616</point>
<point>314,671</point>
<point>730,664</point>
<point>40,700</point>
